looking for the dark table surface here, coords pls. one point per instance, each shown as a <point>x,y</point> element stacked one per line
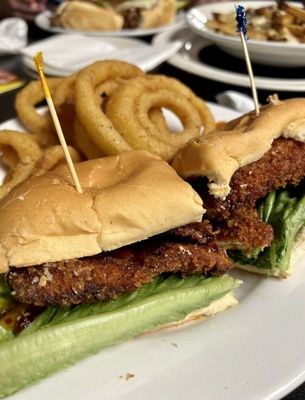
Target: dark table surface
<point>203,87</point>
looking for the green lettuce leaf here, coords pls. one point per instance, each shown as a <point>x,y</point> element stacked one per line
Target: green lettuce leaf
<point>60,337</point>
<point>286,213</point>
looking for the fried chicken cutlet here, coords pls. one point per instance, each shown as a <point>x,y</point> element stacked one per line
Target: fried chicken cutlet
<point>106,275</point>
<point>236,218</point>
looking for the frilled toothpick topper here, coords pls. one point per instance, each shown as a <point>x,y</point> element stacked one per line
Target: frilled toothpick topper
<point>241,27</point>
<point>38,59</point>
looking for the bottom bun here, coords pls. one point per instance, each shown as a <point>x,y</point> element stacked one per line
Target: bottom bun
<point>217,306</point>
<point>264,271</point>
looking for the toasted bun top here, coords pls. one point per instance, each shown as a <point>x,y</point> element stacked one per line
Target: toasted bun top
<point>217,155</point>
<point>162,13</point>
<point>85,16</point>
<point>126,198</point>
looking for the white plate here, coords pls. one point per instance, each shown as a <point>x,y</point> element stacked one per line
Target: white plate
<point>220,113</point>
<point>42,20</point>
<point>188,60</point>
<point>262,52</point>
<point>60,62</point>
<point>254,351</point>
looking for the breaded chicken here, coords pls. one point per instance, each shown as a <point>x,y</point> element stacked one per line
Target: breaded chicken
<point>105,276</point>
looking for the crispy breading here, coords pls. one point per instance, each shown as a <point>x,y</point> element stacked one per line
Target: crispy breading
<point>201,232</point>
<point>109,274</point>
<point>236,217</point>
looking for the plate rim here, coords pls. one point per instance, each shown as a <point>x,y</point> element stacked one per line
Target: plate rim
<point>206,71</point>
<point>208,33</point>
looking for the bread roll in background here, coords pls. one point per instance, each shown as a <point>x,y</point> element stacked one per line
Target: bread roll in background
<point>85,16</point>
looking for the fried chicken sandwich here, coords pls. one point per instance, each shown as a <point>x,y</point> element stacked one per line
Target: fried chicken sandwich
<point>84,271</point>
<point>250,176</point>
<point>113,15</point>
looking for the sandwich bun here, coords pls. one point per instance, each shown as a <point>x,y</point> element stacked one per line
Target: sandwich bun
<point>219,154</point>
<point>222,304</point>
<point>127,198</point>
<point>162,13</point>
<point>85,16</point>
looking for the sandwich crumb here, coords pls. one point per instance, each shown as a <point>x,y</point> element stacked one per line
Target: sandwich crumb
<point>184,250</point>
<point>20,197</point>
<point>174,344</point>
<point>42,281</point>
<point>35,280</point>
<point>128,376</point>
<point>48,274</point>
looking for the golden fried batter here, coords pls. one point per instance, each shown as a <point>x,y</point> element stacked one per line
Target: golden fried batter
<point>109,274</point>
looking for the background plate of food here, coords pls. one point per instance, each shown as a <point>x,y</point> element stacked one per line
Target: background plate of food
<point>200,56</point>
<point>127,18</point>
<point>276,31</point>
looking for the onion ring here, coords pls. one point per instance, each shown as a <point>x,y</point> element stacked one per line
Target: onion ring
<point>76,134</point>
<point>40,125</point>
<point>83,142</point>
<point>64,101</point>
<point>129,107</point>
<point>88,110</point>
<point>52,157</point>
<point>28,152</point>
<point>65,91</point>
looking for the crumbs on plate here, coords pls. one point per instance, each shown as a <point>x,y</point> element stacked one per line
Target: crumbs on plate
<point>128,376</point>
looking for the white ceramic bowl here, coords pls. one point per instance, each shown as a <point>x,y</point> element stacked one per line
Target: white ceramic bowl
<point>281,54</point>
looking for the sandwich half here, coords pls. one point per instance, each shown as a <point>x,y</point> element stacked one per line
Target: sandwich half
<point>113,15</point>
<point>83,271</point>
<point>250,176</point>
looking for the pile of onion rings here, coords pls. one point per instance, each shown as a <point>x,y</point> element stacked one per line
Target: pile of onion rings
<point>39,125</point>
<point>130,106</point>
<point>23,158</point>
<point>129,115</point>
<point>107,108</point>
<point>20,153</point>
<point>111,106</point>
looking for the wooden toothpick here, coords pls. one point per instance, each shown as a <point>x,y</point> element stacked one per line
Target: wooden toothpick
<point>38,59</point>
<point>242,29</point>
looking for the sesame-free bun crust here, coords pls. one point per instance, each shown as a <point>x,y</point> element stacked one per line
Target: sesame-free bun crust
<point>85,16</point>
<point>162,13</point>
<point>126,198</point>
<point>217,155</point>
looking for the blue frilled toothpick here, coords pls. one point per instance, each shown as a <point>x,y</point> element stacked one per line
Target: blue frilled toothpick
<point>241,27</point>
